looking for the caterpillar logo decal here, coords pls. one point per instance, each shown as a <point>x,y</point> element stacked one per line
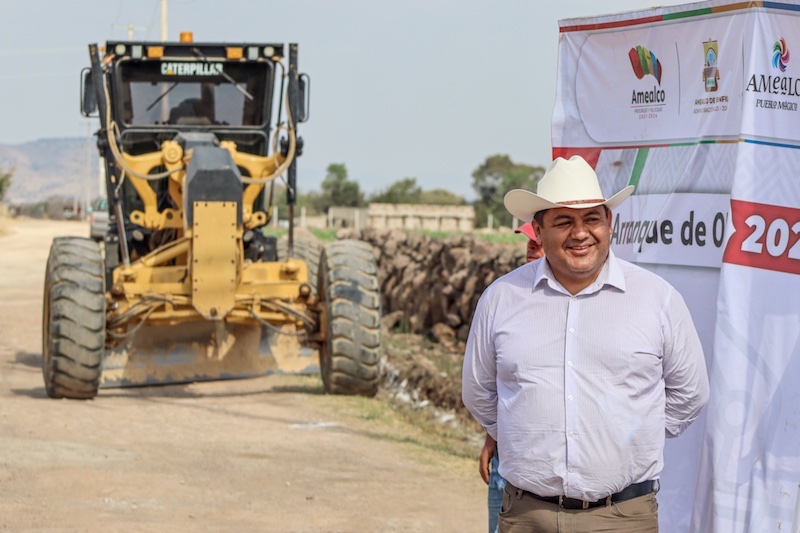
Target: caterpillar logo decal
<point>191,69</point>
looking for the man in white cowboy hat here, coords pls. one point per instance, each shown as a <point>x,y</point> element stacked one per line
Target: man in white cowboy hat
<point>579,365</point>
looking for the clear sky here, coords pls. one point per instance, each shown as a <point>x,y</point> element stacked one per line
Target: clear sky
<point>406,88</point>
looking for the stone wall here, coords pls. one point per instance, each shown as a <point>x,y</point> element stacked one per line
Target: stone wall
<point>427,217</point>
<point>348,217</point>
<point>404,216</point>
<point>431,285</point>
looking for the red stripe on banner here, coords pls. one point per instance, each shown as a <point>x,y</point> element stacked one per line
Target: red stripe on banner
<point>765,236</point>
<point>591,155</point>
<point>609,25</point>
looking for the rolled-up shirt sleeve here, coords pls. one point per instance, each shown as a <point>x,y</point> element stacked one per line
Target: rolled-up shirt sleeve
<point>479,373</point>
<point>685,374</point>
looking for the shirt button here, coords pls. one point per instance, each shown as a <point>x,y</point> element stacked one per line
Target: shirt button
<point>572,330</point>
<point>569,363</point>
<point>571,433</point>
<point>570,396</point>
<point>571,470</point>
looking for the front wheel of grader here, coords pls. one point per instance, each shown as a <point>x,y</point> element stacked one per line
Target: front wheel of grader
<point>350,297</point>
<point>73,319</point>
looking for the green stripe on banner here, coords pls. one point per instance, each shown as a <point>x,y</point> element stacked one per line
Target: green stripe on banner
<point>687,14</point>
<point>638,166</point>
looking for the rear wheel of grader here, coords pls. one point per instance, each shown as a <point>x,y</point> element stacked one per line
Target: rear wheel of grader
<point>349,292</point>
<point>306,250</point>
<point>73,321</point>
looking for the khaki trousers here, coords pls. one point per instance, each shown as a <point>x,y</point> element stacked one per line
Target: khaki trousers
<point>527,514</point>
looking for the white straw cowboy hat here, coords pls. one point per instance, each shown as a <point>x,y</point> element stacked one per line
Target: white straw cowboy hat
<point>569,183</point>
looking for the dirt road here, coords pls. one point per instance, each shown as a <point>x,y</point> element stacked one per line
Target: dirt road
<point>267,454</point>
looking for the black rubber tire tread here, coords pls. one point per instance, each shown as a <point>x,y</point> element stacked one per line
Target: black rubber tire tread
<point>347,272</point>
<point>349,290</point>
<point>358,248</point>
<point>356,313</point>
<point>73,322</point>
<point>355,352</point>
<point>368,267</point>
<point>307,251</point>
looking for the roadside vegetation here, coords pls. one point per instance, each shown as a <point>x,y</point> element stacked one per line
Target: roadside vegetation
<point>491,179</point>
<point>5,183</point>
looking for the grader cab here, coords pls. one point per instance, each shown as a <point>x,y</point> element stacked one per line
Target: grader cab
<point>186,286</point>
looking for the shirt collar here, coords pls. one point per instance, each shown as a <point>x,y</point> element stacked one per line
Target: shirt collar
<point>611,274</point>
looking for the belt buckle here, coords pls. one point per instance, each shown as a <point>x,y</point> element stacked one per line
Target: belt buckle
<point>563,504</point>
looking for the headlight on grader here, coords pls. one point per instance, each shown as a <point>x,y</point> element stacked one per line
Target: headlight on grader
<point>305,290</point>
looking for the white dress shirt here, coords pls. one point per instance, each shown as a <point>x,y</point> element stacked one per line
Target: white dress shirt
<point>579,390</point>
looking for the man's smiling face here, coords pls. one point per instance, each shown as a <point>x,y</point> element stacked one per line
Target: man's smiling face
<point>576,243</point>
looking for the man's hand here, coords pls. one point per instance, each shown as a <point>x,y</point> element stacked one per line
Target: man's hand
<point>486,458</point>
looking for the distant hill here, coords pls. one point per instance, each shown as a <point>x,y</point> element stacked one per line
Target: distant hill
<point>51,167</point>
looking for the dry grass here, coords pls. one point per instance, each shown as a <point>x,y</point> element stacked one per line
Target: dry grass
<point>419,404</point>
<point>425,392</point>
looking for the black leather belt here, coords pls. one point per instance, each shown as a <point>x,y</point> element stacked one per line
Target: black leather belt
<point>628,493</point>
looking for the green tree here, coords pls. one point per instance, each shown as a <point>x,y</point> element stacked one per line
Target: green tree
<point>488,177</point>
<point>440,197</point>
<point>338,191</point>
<point>493,178</point>
<point>404,191</point>
<point>277,190</point>
<point>5,182</point>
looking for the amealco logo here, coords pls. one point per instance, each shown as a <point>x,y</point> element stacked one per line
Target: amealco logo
<point>645,63</point>
<point>780,55</point>
<point>191,69</point>
<point>779,85</point>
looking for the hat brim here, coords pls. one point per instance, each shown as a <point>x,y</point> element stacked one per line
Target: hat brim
<point>527,230</point>
<point>524,204</point>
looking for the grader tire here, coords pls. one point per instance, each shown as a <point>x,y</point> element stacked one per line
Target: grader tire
<point>307,251</point>
<point>73,321</point>
<point>349,290</point>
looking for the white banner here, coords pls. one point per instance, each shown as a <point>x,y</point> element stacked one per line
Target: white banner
<point>697,105</point>
<point>660,82</point>
<point>672,229</point>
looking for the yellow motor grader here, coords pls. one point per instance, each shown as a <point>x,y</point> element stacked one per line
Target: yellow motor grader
<point>186,286</point>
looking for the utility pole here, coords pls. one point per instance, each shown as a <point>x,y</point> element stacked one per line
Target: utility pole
<point>131,28</point>
<point>164,20</point>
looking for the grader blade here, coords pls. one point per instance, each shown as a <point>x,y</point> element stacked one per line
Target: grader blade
<point>205,351</point>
